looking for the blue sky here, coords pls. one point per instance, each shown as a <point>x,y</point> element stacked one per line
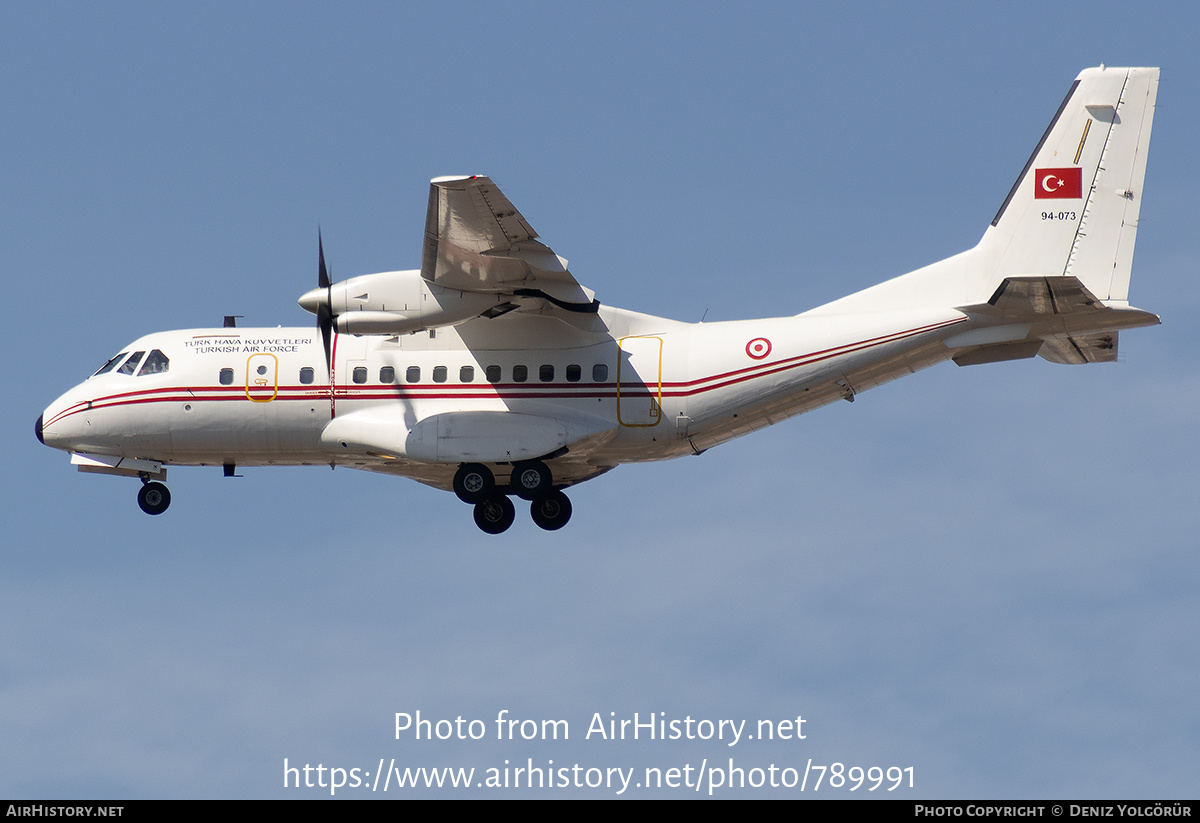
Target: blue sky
<point>988,574</point>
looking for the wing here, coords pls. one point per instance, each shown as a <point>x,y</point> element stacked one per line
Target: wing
<point>477,241</point>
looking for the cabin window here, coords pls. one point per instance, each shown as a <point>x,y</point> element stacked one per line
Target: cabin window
<point>131,364</point>
<point>226,377</point>
<point>387,374</point>
<point>600,372</point>
<point>111,363</point>
<point>156,363</point>
<point>466,374</point>
<point>359,375</point>
<point>520,374</point>
<point>493,374</point>
<point>412,374</point>
<point>439,374</point>
<point>306,375</point>
<point>546,373</point>
<point>574,373</point>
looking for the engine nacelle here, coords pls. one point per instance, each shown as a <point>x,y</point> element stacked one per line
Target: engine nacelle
<point>397,302</point>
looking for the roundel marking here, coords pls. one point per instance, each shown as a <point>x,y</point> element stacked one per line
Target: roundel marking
<point>758,348</point>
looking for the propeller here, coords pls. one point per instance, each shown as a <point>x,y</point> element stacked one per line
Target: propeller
<point>325,308</point>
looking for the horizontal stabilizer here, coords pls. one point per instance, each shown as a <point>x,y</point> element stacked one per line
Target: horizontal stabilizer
<point>1074,351</point>
<point>1056,317</point>
<point>1042,295</point>
<point>1043,299</point>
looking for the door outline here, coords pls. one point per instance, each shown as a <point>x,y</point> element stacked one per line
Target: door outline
<point>269,378</point>
<point>649,350</point>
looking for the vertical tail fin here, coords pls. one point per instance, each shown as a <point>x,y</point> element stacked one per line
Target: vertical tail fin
<point>1074,209</point>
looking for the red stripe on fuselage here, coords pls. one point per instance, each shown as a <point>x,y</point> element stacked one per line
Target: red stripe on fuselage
<point>502,391</point>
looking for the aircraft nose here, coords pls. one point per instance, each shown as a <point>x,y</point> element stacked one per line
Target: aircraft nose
<point>50,428</point>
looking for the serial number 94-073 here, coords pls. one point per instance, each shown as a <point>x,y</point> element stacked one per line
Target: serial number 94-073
<point>1058,215</point>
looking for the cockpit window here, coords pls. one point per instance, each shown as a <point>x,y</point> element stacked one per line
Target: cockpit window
<point>131,364</point>
<point>107,367</point>
<point>156,363</point>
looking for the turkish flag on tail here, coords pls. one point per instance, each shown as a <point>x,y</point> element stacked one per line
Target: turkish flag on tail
<point>1058,184</point>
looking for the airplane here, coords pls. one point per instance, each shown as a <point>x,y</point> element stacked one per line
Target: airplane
<point>491,372</point>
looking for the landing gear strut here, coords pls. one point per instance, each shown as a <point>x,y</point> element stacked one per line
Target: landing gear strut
<point>153,497</point>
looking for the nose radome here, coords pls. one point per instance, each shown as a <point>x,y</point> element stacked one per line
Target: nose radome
<point>37,429</point>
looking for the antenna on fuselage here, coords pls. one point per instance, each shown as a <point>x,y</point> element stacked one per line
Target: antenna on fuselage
<point>231,320</point>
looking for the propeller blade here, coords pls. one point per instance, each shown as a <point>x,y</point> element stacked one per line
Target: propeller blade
<point>322,272</point>
<point>325,310</point>
<point>325,324</point>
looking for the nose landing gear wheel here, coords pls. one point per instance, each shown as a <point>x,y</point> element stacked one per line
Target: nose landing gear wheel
<point>154,498</point>
<point>495,514</point>
<point>552,511</point>
<point>531,480</point>
<point>473,483</point>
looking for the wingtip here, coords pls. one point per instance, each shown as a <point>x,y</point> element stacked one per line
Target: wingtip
<point>462,180</point>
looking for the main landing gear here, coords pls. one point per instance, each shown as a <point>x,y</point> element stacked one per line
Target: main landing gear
<point>153,497</point>
<point>552,511</point>
<point>495,514</point>
<point>531,480</point>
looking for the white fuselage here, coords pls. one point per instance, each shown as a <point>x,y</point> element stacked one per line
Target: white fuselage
<point>624,387</point>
